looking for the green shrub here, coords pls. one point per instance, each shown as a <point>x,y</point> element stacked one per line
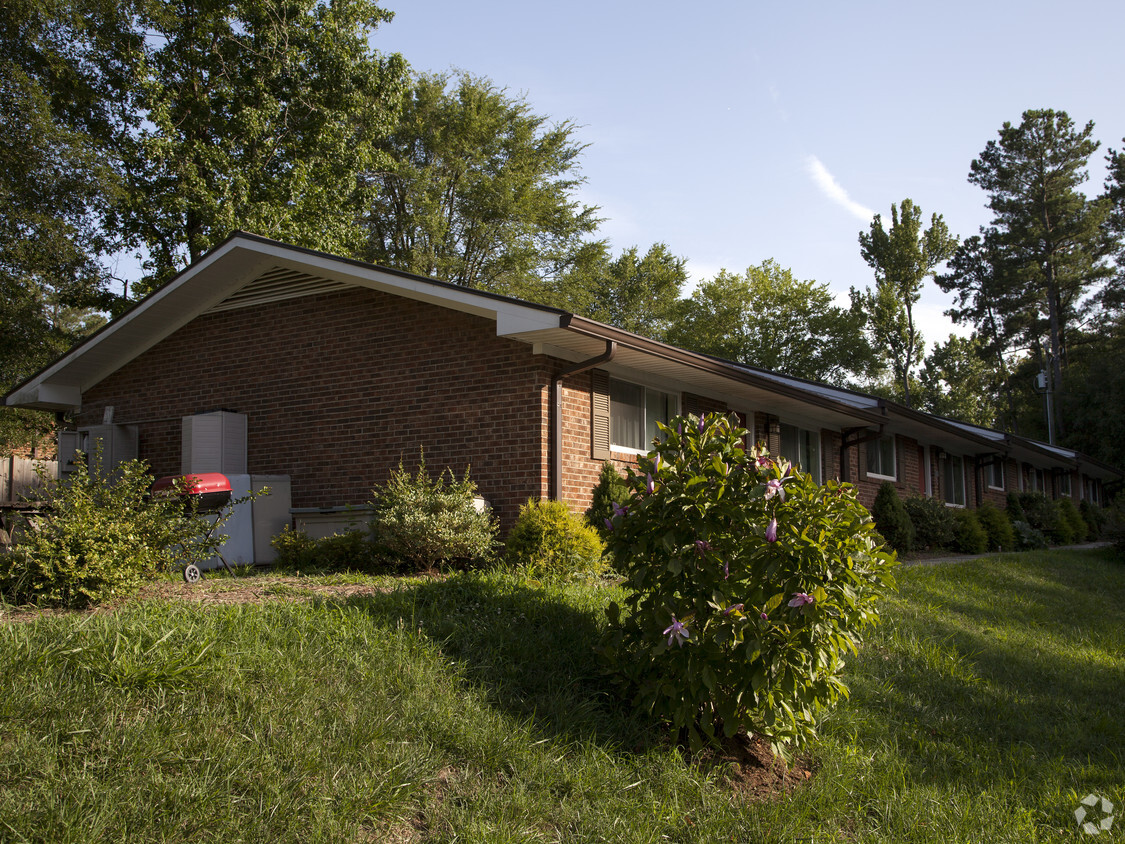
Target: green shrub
<point>611,489</point>
<point>933,522</point>
<point>101,537</point>
<point>1095,518</point>
<point>1044,515</point>
<point>1027,537</point>
<point>1114,531</point>
<point>350,551</point>
<point>997,527</point>
<point>1068,513</point>
<point>1015,508</point>
<point>746,582</point>
<point>422,522</point>
<point>891,518</point>
<point>549,541</point>
<point>968,535</point>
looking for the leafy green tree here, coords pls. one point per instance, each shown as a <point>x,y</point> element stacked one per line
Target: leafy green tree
<point>639,294</point>
<point>54,176</point>
<point>902,258</point>
<point>255,115</point>
<point>957,381</point>
<point>476,189</point>
<point>1050,236</point>
<point>768,318</point>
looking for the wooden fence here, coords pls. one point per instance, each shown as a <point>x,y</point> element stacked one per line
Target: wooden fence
<point>19,479</point>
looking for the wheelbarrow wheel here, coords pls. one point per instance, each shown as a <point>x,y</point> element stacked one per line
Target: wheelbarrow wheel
<point>192,574</point>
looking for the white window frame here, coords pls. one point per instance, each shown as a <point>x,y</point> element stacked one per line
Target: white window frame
<point>993,467</point>
<point>894,458</point>
<point>799,459</point>
<point>674,406</point>
<point>946,475</point>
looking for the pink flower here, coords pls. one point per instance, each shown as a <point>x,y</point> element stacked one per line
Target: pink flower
<point>765,617</point>
<point>773,487</point>
<point>771,530</point>
<point>702,546</point>
<point>677,631</point>
<point>799,599</point>
<point>650,485</point>
<point>733,608</point>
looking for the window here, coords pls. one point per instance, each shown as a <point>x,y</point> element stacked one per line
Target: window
<point>802,448</point>
<point>1063,483</point>
<point>1036,481</point>
<point>996,474</point>
<point>634,411</point>
<point>881,458</point>
<point>953,480</point>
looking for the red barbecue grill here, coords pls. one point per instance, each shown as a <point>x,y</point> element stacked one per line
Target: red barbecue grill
<point>208,492</point>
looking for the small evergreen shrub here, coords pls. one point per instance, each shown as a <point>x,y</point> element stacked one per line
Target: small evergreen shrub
<point>746,583</point>
<point>101,537</point>
<point>549,541</point>
<point>1069,514</point>
<point>1027,537</point>
<point>968,535</point>
<point>891,518</point>
<point>997,527</point>
<point>1095,518</point>
<point>422,522</point>
<point>350,551</point>
<point>933,522</point>
<point>611,489</point>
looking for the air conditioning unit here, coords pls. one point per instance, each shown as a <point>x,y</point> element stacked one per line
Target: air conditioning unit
<point>214,442</point>
<point>114,443</point>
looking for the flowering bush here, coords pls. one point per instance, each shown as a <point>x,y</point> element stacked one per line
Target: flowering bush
<point>747,583</point>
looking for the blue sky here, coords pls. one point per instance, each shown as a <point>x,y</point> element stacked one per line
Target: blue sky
<point>740,131</point>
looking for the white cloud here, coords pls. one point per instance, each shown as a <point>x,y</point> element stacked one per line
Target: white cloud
<point>833,190</point>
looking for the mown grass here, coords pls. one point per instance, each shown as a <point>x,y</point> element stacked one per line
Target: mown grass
<point>988,703</point>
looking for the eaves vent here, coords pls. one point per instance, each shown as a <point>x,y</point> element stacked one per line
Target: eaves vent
<point>277,285</point>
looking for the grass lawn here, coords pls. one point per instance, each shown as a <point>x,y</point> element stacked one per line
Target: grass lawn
<point>988,703</point>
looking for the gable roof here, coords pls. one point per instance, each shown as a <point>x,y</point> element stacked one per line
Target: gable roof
<point>247,269</point>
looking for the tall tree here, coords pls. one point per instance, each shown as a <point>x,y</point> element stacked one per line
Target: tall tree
<point>1114,296</point>
<point>957,381</point>
<point>638,293</point>
<point>768,318</point>
<point>902,258</point>
<point>1050,234</point>
<point>53,182</point>
<point>253,114</point>
<point>988,301</point>
<point>477,189</point>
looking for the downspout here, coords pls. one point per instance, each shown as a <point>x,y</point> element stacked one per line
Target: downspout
<point>556,420</point>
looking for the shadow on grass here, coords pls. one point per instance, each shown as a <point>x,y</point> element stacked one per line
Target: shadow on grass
<point>529,649</point>
<point>1014,665</point>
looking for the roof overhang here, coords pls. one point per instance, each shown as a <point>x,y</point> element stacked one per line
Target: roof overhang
<point>230,276</point>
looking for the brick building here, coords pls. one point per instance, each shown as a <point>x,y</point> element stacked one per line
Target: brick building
<point>342,369</point>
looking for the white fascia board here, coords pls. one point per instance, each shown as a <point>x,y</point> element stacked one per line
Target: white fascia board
<point>45,396</point>
<point>516,319</point>
<point>196,289</point>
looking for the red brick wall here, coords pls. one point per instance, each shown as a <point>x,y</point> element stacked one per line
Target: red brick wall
<point>339,387</point>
